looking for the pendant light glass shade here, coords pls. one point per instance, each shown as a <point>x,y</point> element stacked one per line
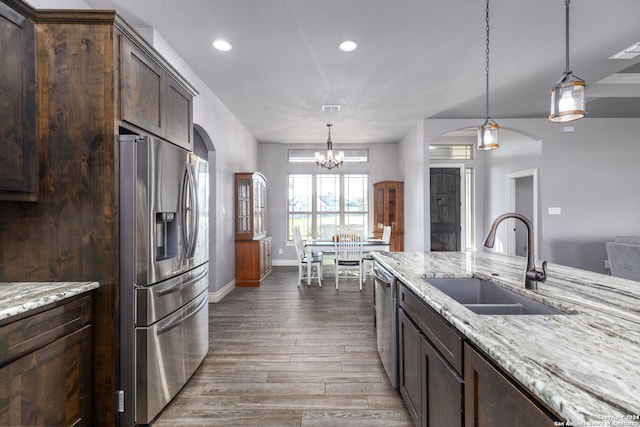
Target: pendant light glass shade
<point>488,132</point>
<point>330,160</point>
<point>567,99</point>
<point>488,135</point>
<point>568,94</point>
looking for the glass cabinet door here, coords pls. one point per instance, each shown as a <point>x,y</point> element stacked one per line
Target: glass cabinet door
<point>244,206</point>
<point>392,208</point>
<point>380,208</point>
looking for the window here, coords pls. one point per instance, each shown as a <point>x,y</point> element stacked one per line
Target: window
<point>320,202</point>
<point>451,152</point>
<point>308,155</point>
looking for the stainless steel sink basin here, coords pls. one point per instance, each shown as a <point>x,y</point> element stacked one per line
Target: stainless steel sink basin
<point>484,297</point>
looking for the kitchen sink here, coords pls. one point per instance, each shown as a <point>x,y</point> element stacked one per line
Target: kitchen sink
<point>484,297</point>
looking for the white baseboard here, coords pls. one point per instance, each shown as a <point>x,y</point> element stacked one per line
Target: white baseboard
<point>284,263</point>
<point>221,293</point>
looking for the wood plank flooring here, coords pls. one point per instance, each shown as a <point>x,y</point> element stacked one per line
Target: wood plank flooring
<point>283,355</point>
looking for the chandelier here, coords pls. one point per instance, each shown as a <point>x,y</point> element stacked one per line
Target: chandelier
<point>488,132</point>
<point>567,95</point>
<point>329,160</point>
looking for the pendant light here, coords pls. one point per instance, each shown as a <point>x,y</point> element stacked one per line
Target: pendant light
<point>329,160</point>
<point>488,132</point>
<point>567,95</point>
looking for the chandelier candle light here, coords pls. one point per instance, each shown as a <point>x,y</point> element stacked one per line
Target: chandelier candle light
<point>488,132</point>
<point>567,95</point>
<point>329,160</point>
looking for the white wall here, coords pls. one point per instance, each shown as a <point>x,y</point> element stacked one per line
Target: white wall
<point>272,162</point>
<point>412,158</point>
<point>591,174</point>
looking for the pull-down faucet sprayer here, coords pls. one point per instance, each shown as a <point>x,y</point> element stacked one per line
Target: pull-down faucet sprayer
<point>531,275</point>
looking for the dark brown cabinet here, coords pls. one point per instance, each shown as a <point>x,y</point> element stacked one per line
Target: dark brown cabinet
<point>388,210</point>
<point>253,245</point>
<point>494,399</point>
<point>444,381</point>
<point>430,380</point>
<point>45,367</point>
<point>18,108</point>
<point>153,100</point>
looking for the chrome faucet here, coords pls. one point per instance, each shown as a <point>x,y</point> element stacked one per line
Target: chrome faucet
<point>531,275</point>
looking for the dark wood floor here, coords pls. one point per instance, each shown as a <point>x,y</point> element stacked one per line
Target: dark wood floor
<point>283,355</point>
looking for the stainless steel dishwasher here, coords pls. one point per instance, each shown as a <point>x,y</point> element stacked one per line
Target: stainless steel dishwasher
<point>386,305</point>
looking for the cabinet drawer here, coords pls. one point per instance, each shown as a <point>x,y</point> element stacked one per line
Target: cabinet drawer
<point>30,333</point>
<point>446,339</point>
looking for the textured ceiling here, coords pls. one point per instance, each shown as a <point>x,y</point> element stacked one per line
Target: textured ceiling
<point>416,59</point>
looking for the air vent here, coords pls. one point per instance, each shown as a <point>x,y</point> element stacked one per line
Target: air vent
<point>331,107</point>
<point>628,53</point>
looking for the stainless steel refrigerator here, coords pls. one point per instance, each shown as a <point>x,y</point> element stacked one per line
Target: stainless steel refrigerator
<point>164,333</point>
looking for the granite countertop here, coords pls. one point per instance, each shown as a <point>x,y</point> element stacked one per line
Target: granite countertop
<point>584,365</point>
<point>21,297</point>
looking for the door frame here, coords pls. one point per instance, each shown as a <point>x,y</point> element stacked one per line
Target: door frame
<point>463,206</point>
<point>511,207</point>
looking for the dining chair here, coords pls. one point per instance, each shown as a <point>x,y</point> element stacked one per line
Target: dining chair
<point>368,258</point>
<point>307,260</point>
<point>348,252</point>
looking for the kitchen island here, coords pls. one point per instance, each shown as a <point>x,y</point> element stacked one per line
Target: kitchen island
<point>584,366</point>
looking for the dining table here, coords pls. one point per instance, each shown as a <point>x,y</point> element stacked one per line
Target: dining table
<point>328,246</point>
<point>315,245</point>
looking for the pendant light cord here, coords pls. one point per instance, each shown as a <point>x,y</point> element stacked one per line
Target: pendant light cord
<point>566,5</point>
<point>487,59</point>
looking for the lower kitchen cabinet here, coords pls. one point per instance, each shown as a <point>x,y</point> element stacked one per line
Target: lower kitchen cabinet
<point>430,385</point>
<point>45,367</point>
<point>431,389</point>
<point>410,345</point>
<point>444,381</point>
<point>493,399</point>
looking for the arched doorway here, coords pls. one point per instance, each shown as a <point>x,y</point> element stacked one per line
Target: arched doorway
<point>203,147</point>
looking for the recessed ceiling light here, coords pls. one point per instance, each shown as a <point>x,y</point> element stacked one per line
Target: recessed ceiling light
<point>348,46</point>
<point>222,45</point>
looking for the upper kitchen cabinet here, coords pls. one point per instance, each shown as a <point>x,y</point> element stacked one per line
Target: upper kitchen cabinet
<point>18,146</point>
<point>388,209</point>
<point>152,98</point>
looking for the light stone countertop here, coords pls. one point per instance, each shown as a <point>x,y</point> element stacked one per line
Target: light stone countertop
<point>21,297</point>
<point>584,365</point>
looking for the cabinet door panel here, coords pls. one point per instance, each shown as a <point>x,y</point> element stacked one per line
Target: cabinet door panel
<point>18,145</point>
<point>50,386</point>
<point>492,400</point>
<point>445,390</point>
<point>178,115</point>
<point>411,379</point>
<point>142,89</point>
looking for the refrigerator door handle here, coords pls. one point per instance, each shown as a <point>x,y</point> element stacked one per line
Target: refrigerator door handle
<point>181,285</point>
<point>188,211</point>
<point>194,212</point>
<point>189,311</point>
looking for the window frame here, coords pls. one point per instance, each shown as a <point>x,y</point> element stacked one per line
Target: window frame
<point>315,213</point>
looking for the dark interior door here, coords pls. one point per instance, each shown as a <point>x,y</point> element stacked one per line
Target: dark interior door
<point>445,209</point>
